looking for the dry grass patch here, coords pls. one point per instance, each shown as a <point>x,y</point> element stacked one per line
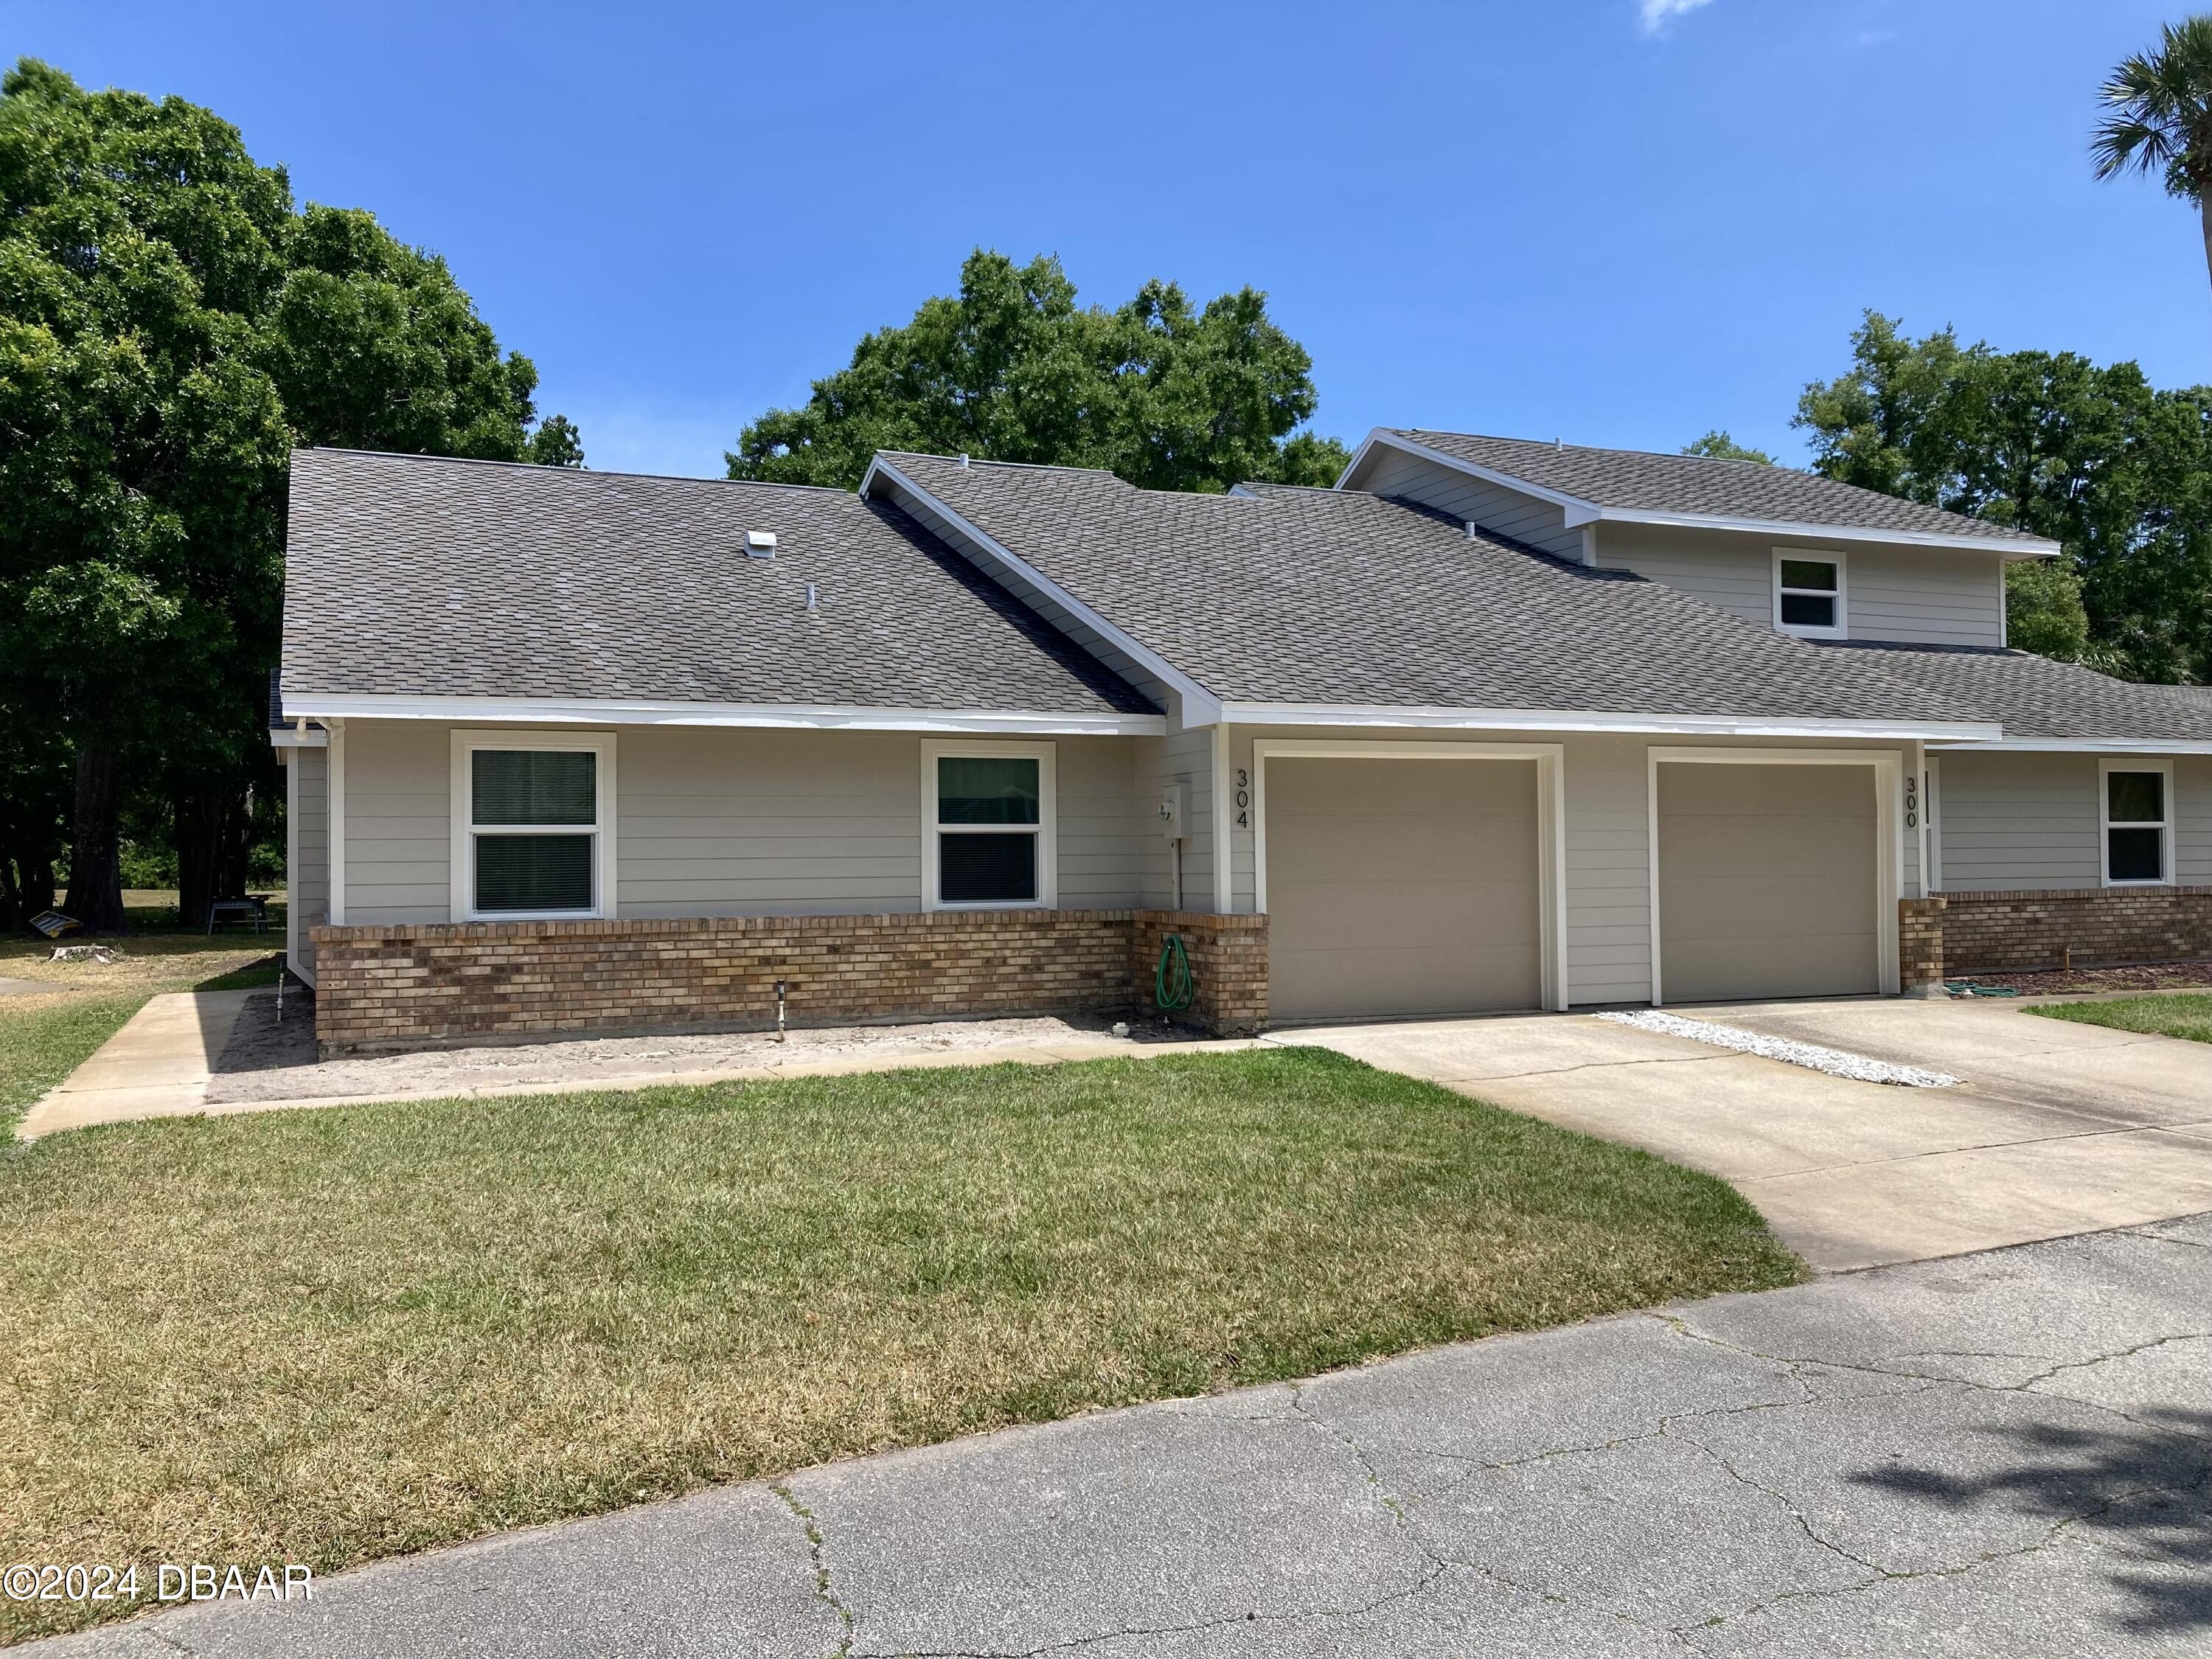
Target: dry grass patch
<point>334,1335</point>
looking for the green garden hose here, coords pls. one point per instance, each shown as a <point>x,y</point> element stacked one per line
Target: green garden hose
<point>1171,985</point>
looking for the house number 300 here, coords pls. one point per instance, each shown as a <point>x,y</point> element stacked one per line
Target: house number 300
<point>1244,798</point>
<point>1912,803</point>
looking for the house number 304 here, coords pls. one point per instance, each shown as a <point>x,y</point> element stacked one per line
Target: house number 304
<point>1244,798</point>
<point>1912,803</point>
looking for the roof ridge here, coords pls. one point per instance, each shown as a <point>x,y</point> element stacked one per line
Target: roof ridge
<point>1607,449</point>
<point>1023,466</point>
<point>578,473</point>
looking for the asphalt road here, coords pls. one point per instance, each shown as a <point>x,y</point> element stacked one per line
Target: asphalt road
<point>2003,1454</point>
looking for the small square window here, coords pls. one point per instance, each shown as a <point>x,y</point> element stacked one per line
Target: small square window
<point>1808,595</point>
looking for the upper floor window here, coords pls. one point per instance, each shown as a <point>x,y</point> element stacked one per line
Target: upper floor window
<point>531,836</point>
<point>987,843</point>
<point>1808,593</point>
<point>2138,829</point>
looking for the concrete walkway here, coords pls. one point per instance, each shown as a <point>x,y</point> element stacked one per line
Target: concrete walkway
<point>162,1062</point>
<point>157,1065</point>
<point>2057,1128</point>
<point>2005,1454</point>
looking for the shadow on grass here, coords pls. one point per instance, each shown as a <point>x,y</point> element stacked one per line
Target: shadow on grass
<point>2140,1491</point>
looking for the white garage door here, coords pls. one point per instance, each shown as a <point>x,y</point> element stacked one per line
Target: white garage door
<point>1401,887</point>
<point>1767,882</point>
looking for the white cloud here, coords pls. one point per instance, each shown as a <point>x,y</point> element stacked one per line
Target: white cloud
<point>1656,14</point>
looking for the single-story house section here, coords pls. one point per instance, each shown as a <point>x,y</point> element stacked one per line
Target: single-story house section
<point>1492,724</point>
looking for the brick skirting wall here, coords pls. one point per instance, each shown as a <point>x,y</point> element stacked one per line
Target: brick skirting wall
<point>2005,932</point>
<point>1919,944</point>
<point>434,982</point>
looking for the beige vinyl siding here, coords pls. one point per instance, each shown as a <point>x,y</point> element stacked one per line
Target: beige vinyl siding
<point>1470,500</point>
<point>2019,821</point>
<point>732,821</point>
<point>1734,573</point>
<point>1103,855</point>
<point>2034,821</point>
<point>308,877</point>
<point>735,823</point>
<point>2192,825</point>
<point>1925,596</point>
<point>1607,866</point>
<point>1185,757</point>
<point>399,837</point>
<point>1921,596</point>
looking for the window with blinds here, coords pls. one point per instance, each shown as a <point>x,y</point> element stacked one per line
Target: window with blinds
<point>533,831</point>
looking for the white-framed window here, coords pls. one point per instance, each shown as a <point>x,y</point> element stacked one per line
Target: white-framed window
<point>1808,593</point>
<point>2137,798</point>
<point>987,827</point>
<point>533,825</point>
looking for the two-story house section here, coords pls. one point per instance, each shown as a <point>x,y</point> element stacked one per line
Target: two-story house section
<point>2096,784</point>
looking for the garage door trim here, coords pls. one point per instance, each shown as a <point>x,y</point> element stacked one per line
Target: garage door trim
<point>1549,760</point>
<point>1889,847</point>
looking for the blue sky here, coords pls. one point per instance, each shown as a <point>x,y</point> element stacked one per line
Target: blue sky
<point>1620,222</point>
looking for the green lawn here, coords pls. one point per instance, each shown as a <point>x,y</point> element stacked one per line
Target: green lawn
<point>338,1334</point>
<point>2187,1014</point>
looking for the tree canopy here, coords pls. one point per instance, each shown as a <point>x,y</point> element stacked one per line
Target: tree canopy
<point>1718,445</point>
<point>2094,458</point>
<point>1162,393</point>
<point>170,328</point>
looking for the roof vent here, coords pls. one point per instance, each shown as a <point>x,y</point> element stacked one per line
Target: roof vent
<point>811,603</point>
<point>760,544</point>
<point>964,458</point>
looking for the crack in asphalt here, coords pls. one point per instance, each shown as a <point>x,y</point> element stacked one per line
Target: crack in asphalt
<point>824,1590</point>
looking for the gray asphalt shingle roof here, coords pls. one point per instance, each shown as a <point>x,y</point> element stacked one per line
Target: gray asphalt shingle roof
<point>416,575</point>
<point>1290,595</point>
<point>2037,697</point>
<point>1705,486</point>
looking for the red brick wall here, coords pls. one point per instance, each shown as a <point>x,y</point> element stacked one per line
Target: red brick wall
<point>395,986</point>
<point>1993,933</point>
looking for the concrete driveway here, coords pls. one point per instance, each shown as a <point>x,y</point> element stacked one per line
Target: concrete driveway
<point>2002,1454</point>
<point>2056,1128</point>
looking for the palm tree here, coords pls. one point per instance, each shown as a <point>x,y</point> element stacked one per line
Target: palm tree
<point>2161,118</point>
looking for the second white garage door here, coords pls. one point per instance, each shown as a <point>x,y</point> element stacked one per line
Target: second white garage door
<point>1401,887</point>
<point>1767,877</point>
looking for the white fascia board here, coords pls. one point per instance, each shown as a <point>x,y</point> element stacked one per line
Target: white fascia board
<point>2019,548</point>
<point>816,717</point>
<point>287,736</point>
<point>1200,706</point>
<point>1571,505</point>
<point>2078,746</point>
<point>1545,719</point>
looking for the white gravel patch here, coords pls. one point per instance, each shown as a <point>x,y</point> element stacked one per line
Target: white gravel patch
<point>1834,1061</point>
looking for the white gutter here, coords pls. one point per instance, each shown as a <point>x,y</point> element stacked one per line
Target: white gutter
<point>1970,733</point>
<point>1200,706</point>
<point>2080,746</point>
<point>823,717</point>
